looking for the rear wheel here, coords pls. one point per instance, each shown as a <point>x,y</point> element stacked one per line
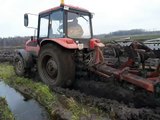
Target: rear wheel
<point>56,66</point>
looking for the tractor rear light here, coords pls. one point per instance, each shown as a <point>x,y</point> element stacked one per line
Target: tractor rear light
<point>69,41</point>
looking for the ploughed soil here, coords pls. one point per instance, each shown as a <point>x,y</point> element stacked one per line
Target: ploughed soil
<point>120,103</point>
<point>6,55</point>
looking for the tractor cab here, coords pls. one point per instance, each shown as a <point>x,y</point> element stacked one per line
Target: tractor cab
<point>68,26</point>
<point>65,22</point>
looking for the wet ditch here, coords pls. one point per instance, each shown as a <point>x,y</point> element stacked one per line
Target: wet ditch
<point>22,108</point>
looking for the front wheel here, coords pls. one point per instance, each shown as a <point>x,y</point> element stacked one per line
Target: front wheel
<point>56,66</point>
<point>19,66</point>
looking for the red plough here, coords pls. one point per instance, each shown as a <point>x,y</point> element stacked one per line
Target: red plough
<point>134,70</point>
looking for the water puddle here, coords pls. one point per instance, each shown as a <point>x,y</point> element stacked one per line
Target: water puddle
<point>22,109</point>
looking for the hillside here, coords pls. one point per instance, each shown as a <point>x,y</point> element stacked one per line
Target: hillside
<point>134,34</point>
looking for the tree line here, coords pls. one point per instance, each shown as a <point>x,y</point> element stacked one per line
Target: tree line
<point>132,32</point>
<point>127,33</point>
<point>13,41</point>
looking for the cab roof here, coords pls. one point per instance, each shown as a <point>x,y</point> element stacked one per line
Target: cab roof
<point>63,6</point>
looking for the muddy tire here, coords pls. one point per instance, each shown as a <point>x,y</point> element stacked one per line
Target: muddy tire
<point>19,66</point>
<point>56,66</point>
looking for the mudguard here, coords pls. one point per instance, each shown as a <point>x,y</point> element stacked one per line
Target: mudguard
<point>27,57</point>
<point>64,42</point>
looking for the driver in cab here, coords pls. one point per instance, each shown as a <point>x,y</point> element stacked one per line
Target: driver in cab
<point>74,29</point>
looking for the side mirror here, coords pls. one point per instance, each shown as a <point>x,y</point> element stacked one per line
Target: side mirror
<point>26,20</point>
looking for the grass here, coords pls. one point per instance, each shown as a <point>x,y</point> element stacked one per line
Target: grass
<point>5,113</point>
<point>55,104</point>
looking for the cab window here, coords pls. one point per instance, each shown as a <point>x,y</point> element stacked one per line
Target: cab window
<point>56,24</point>
<point>44,22</point>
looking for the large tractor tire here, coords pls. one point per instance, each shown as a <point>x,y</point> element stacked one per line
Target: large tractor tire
<point>19,66</point>
<point>56,66</point>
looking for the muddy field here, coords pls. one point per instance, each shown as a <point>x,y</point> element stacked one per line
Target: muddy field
<point>6,55</point>
<point>119,103</point>
<point>113,100</point>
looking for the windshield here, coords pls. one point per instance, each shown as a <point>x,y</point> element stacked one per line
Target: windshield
<point>78,25</point>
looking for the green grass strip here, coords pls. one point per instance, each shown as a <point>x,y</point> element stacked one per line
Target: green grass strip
<point>5,113</point>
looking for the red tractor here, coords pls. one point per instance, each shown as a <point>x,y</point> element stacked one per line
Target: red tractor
<point>64,46</point>
<point>65,50</point>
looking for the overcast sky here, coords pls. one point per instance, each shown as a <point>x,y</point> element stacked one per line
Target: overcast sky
<point>110,15</point>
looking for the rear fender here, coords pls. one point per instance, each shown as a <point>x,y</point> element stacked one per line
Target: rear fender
<point>64,42</point>
<point>27,57</point>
